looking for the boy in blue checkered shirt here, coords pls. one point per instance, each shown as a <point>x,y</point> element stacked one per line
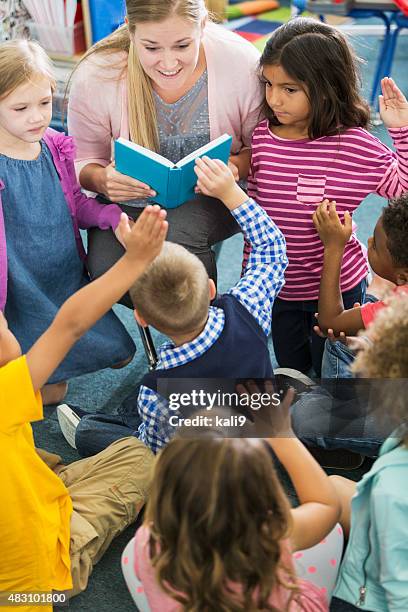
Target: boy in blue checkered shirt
<point>223,339</point>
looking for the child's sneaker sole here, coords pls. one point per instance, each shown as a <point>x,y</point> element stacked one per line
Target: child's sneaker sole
<point>287,377</point>
<point>296,375</point>
<point>337,459</point>
<point>68,421</point>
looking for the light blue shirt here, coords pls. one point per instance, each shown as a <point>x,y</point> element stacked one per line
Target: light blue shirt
<point>377,552</point>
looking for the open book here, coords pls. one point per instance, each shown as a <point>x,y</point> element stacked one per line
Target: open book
<point>174,183</point>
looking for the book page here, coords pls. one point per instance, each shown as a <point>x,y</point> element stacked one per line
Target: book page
<point>202,150</point>
<point>147,152</point>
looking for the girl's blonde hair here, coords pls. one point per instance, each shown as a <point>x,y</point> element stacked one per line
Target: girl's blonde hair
<point>217,516</point>
<point>22,61</point>
<point>141,107</point>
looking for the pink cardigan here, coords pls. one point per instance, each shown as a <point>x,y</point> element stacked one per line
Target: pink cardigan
<point>98,113</point>
<point>85,212</point>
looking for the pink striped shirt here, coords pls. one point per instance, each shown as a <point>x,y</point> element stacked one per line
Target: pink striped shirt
<point>290,177</point>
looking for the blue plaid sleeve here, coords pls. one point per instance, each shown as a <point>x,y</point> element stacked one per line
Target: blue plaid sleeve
<point>155,430</point>
<point>264,274</point>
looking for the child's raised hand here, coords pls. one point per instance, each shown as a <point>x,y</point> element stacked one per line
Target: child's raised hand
<point>144,240</point>
<point>393,105</point>
<point>216,179</point>
<point>118,230</point>
<point>331,230</point>
<point>272,418</point>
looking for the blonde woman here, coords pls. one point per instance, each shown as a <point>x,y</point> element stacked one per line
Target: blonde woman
<point>171,81</point>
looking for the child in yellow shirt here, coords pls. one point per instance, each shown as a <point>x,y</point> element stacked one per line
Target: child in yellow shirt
<point>55,524</point>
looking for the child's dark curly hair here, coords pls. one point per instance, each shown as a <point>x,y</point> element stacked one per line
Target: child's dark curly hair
<point>395,224</point>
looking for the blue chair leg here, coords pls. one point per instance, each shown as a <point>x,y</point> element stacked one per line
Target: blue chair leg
<point>391,51</point>
<point>380,70</point>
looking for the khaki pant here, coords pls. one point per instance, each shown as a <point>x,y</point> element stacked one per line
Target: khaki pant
<point>107,491</point>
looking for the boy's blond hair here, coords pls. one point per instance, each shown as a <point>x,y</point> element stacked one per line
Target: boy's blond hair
<point>21,61</point>
<point>387,358</point>
<point>173,293</point>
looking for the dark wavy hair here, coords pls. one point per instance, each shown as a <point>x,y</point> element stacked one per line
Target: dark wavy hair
<point>217,515</point>
<point>320,58</point>
<point>395,224</point>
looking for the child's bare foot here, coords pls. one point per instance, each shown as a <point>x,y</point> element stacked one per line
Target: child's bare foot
<point>121,364</point>
<point>54,394</point>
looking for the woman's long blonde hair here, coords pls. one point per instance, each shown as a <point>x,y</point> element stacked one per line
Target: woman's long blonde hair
<point>141,107</point>
<point>21,61</point>
<point>217,516</point>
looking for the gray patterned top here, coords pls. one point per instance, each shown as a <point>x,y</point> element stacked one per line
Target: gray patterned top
<point>184,126</point>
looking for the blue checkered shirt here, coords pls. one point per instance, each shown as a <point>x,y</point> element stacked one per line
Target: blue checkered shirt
<point>256,290</point>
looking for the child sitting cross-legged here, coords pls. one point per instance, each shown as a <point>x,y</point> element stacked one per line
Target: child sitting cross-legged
<point>388,258</point>
<point>227,339</point>
<point>219,533</point>
<point>334,417</point>
<point>55,524</point>
<point>374,572</point>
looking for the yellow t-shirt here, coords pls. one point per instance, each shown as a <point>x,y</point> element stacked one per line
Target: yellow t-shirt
<point>35,507</point>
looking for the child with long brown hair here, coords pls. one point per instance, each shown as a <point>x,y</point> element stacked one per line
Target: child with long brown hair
<point>314,145</point>
<point>219,532</point>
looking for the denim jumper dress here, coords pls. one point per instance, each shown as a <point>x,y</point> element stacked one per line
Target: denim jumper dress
<point>44,266</point>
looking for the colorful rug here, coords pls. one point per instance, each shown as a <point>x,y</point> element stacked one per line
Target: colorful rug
<point>250,7</point>
<point>258,28</point>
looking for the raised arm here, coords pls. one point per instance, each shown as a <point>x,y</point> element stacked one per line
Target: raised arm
<point>264,274</point>
<point>394,113</point>
<point>83,309</point>
<point>319,505</point>
<point>334,236</point>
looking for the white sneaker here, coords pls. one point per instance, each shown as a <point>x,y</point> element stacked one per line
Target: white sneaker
<point>68,421</point>
<point>296,375</point>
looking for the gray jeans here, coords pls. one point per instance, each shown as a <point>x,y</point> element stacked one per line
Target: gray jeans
<point>196,225</point>
<point>342,418</point>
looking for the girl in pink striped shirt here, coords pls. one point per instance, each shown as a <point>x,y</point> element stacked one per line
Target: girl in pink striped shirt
<point>314,145</point>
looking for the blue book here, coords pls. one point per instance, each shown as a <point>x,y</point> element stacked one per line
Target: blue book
<point>173,183</point>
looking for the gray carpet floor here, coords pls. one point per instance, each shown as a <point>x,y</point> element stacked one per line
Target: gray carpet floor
<point>104,390</point>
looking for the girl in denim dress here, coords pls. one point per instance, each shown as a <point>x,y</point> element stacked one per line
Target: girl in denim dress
<point>41,211</point>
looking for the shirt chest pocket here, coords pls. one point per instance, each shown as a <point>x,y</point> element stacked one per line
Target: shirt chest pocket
<point>310,189</point>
